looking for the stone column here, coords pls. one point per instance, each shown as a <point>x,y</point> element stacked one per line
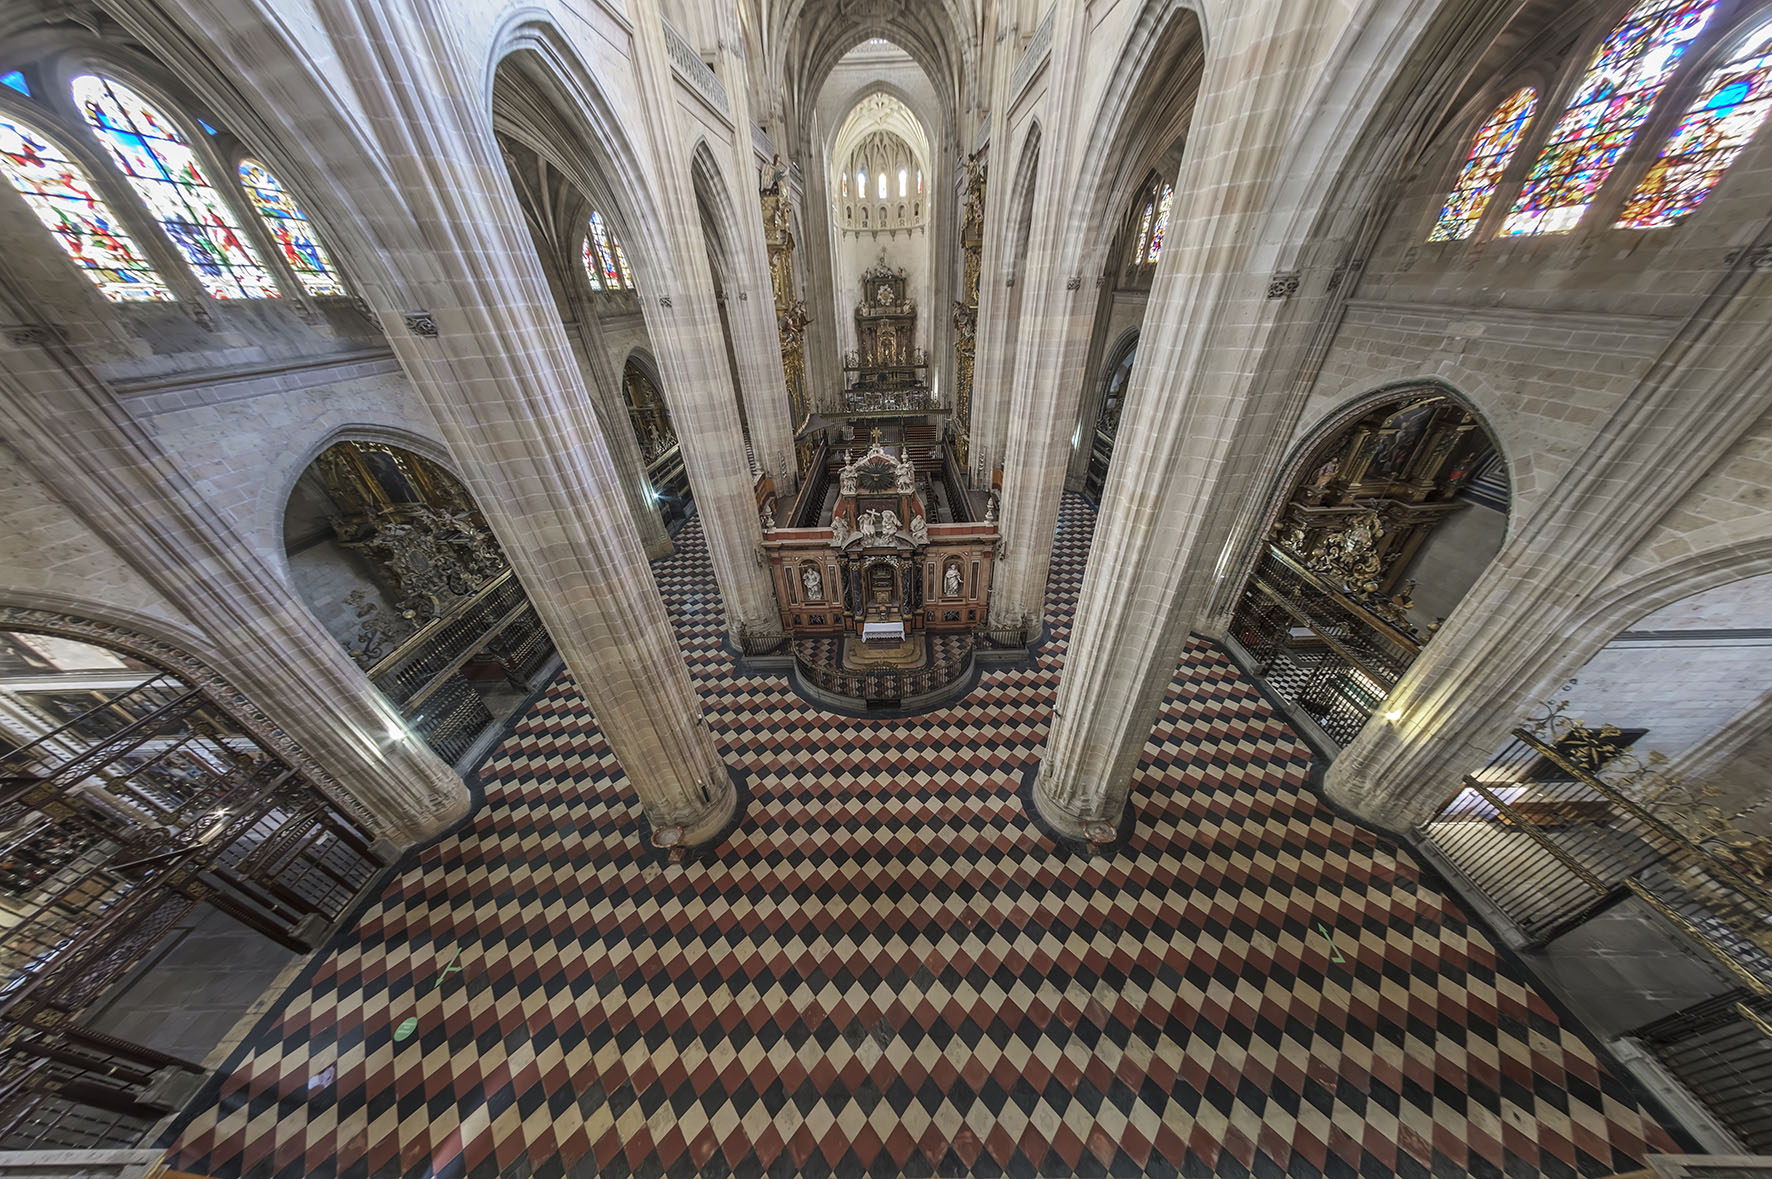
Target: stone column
<point>489,356</point>
<point>609,402</point>
<point>69,427</point>
<point>1514,638</point>
<point>750,298</point>
<point>1198,412</point>
<point>684,322</point>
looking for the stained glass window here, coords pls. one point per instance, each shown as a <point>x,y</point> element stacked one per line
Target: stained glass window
<point>919,180</point>
<point>904,182</point>
<point>1731,105</point>
<point>593,265</point>
<point>291,229</point>
<point>861,185</point>
<point>1482,169</point>
<point>1613,101</point>
<point>882,186</point>
<point>1144,229</point>
<point>1161,225</point>
<point>621,262</point>
<point>166,175</point>
<point>62,196</point>
<point>605,260</point>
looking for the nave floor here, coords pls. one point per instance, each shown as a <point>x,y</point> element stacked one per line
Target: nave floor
<point>889,971</point>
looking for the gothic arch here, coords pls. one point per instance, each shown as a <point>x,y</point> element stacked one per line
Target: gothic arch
<point>721,230</point>
<point>642,359</point>
<point>1617,607</point>
<point>1021,201</point>
<point>1147,106</point>
<point>175,651</point>
<point>1311,432</point>
<point>280,492</point>
<point>541,94</point>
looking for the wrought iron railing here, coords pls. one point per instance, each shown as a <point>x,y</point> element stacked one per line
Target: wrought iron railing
<point>1318,648</point>
<point>1542,835</point>
<point>1721,1051</point>
<point>114,826</point>
<point>427,660</point>
<point>866,401</point>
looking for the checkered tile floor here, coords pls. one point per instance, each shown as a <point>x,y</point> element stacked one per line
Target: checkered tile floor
<point>890,972</point>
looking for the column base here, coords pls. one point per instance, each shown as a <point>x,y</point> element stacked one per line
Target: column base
<point>707,829</point>
<point>1074,832</point>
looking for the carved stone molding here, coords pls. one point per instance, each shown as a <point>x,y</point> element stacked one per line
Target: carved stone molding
<point>664,300</point>
<point>1283,285</point>
<point>1073,282</point>
<point>1756,257</point>
<point>23,335</point>
<point>199,675</point>
<point>1345,274</point>
<point>420,323</point>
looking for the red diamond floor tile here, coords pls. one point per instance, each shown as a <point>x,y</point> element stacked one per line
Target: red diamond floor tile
<point>888,971</point>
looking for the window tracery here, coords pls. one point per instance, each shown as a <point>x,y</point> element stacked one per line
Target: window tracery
<point>605,261</point>
<point>1160,226</point>
<point>290,228</point>
<point>1488,159</point>
<point>64,198</point>
<point>1731,104</point>
<point>1613,100</point>
<point>164,172</point>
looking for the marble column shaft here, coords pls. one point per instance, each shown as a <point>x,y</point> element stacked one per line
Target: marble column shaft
<point>609,401</point>
<point>1197,416</point>
<point>261,636</point>
<point>509,397</point>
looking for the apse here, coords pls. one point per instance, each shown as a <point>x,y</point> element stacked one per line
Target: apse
<point>880,176</point>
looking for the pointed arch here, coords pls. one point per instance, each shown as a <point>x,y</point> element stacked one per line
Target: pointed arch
<point>1488,159</point>
<point>159,164</point>
<point>290,228</point>
<point>1731,104</point>
<point>65,199</point>
<point>1611,104</point>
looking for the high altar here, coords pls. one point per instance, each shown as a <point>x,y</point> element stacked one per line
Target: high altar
<point>882,599</point>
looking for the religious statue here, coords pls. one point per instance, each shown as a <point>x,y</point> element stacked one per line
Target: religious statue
<point>950,581</point>
<point>990,508</point>
<point>813,582</point>
<point>839,532</point>
<point>870,526</point>
<point>768,518</point>
<point>972,220</point>
<point>888,523</point>
<point>846,479</point>
<point>919,531</point>
<point>773,175</point>
<point>905,475</point>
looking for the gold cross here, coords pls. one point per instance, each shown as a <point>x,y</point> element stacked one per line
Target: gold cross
<point>877,435</point>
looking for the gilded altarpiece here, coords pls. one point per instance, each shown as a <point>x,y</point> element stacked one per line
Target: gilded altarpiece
<point>966,308</point>
<point>1360,514</point>
<point>790,311</point>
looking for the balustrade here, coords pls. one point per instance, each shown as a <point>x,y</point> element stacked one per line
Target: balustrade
<point>1319,648</point>
<point>112,827</point>
<point>1543,835</point>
